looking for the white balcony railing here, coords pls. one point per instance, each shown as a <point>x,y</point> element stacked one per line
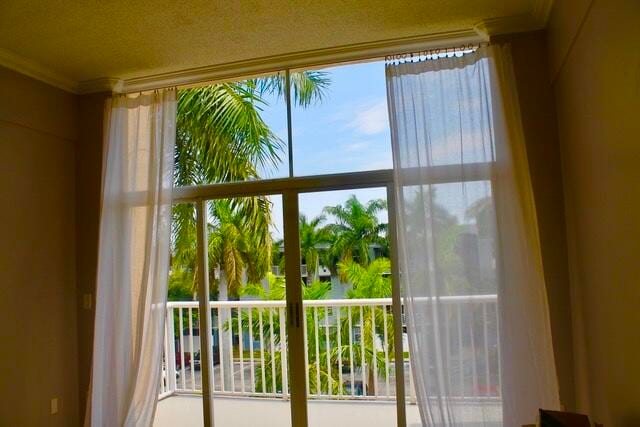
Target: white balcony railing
<point>348,348</point>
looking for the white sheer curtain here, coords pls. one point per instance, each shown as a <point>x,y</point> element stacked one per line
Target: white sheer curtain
<point>133,259</point>
<point>475,298</point>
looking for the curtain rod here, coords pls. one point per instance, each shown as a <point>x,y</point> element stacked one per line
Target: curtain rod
<point>435,53</point>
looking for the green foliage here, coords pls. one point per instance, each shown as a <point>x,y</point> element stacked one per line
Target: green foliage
<point>180,285</point>
<point>276,289</point>
<point>221,135</point>
<point>372,281</point>
<point>357,228</point>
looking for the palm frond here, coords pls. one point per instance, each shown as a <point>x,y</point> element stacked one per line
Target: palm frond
<point>307,86</point>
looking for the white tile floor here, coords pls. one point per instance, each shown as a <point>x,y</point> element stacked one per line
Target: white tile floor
<point>186,410</point>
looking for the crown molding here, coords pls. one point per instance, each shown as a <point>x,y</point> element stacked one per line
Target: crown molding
<point>506,25</point>
<point>105,84</point>
<point>31,68</point>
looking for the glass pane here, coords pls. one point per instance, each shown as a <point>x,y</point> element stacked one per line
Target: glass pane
<point>346,274</point>
<point>234,131</point>
<point>347,130</point>
<point>459,229</point>
<point>248,311</point>
<point>248,323</point>
<point>181,352</point>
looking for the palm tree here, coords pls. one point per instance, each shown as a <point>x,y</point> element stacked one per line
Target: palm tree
<point>235,249</point>
<point>312,237</point>
<point>357,228</point>
<point>221,137</point>
<point>372,281</point>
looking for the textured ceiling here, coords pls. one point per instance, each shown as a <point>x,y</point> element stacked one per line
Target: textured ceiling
<point>117,38</point>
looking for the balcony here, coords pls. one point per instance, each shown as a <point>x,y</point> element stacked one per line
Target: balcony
<point>349,359</point>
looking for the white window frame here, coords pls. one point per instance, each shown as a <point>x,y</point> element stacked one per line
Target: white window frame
<point>290,188</point>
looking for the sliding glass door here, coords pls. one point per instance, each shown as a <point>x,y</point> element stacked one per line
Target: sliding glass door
<point>289,264</point>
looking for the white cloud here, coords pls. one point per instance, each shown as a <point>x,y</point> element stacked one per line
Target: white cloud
<point>372,119</point>
<point>358,146</point>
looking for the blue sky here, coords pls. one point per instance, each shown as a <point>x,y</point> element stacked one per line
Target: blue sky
<point>347,131</point>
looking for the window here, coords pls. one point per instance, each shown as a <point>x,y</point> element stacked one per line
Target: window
<point>299,241</point>
<point>347,130</point>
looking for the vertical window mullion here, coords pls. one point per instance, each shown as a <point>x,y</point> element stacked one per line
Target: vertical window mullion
<point>396,308</point>
<point>287,86</point>
<point>204,315</point>
<point>295,310</point>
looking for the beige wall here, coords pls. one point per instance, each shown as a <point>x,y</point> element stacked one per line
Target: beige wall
<point>595,67</point>
<point>88,190</point>
<point>38,353</point>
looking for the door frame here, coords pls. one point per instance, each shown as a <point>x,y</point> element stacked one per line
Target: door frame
<point>290,189</point>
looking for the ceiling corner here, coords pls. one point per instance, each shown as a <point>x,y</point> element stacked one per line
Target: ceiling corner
<point>505,25</point>
<point>536,19</point>
<point>104,84</point>
<point>541,11</point>
<point>37,71</point>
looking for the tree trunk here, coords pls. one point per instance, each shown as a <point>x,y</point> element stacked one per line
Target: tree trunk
<point>370,381</point>
<point>224,335</point>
